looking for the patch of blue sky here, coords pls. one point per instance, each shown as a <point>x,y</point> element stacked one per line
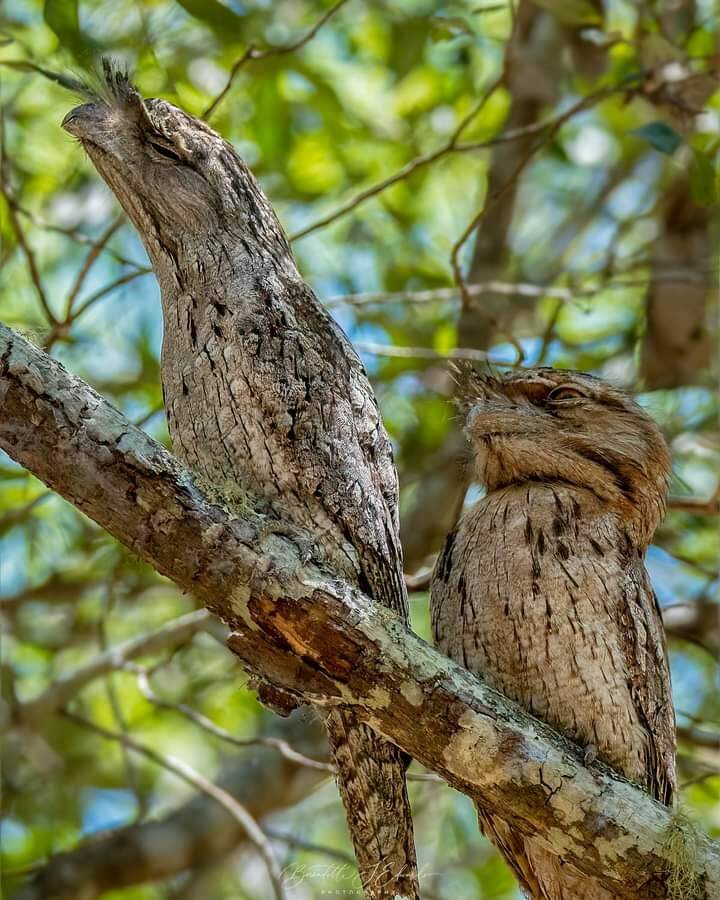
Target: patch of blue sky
<point>14,836</point>
<point>507,352</point>
<point>689,683</point>
<point>369,332</point>
<point>104,808</point>
<point>674,581</point>
<point>114,325</point>
<point>8,463</point>
<point>591,251</point>
<point>13,562</point>
<point>635,197</point>
<point>409,385</point>
<point>475,492</point>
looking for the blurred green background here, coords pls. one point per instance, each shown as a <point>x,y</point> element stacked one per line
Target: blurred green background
<point>536,181</point>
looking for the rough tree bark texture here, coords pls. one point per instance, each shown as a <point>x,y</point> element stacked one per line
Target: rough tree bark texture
<point>677,345</point>
<point>299,626</point>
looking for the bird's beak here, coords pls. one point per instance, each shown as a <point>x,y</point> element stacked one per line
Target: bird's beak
<point>82,121</point>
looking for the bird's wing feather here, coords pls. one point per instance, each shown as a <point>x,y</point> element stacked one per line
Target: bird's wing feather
<point>649,675</point>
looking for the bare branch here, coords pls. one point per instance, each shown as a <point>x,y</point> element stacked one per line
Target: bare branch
<point>301,844</point>
<point>120,281</point>
<point>424,352</point>
<point>208,725</point>
<point>697,622</point>
<point>451,146</point>
<point>93,253</point>
<point>548,132</point>
<point>511,289</point>
<point>253,53</point>
<point>200,831</point>
<point>62,690</point>
<point>698,506</point>
<point>18,231</point>
<point>199,782</point>
<point>74,234</point>
<point>699,737</point>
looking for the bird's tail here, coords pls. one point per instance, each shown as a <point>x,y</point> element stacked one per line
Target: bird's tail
<point>371,779</point>
<point>542,875</point>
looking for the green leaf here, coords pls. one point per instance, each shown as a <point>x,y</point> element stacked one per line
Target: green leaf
<point>224,21</point>
<point>62,17</point>
<point>573,12</point>
<point>703,180</point>
<point>660,136</point>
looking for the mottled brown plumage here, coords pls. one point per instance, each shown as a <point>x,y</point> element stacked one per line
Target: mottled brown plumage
<point>264,394</point>
<point>542,588</point>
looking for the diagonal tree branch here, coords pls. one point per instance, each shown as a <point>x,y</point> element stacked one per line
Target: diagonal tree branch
<point>64,689</point>
<point>302,629</point>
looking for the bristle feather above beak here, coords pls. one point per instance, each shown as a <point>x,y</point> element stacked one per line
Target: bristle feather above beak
<point>470,384</point>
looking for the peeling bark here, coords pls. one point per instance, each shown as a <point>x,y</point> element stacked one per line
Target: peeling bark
<point>310,633</point>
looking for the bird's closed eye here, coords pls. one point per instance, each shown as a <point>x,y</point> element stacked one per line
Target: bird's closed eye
<point>165,151</point>
<point>565,392</point>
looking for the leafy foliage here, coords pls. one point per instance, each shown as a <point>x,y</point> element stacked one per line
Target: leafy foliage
<point>599,225</point>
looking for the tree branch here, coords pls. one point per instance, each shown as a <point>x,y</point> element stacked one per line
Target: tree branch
<point>200,832</point>
<point>222,797</point>
<point>254,53</point>
<point>64,689</point>
<point>308,632</point>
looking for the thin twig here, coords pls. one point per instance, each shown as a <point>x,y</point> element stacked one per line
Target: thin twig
<point>425,352</point>
<point>698,779</point>
<point>419,582</point>
<point>285,749</point>
<point>301,844</point>
<point>698,737</point>
<point>94,252</point>
<point>64,688</point>
<point>451,146</point>
<point>549,130</point>
<point>281,746</point>
<point>74,234</point>
<point>18,229</point>
<point>478,289</point>
<point>112,286</point>
<point>192,776</point>
<point>699,506</point>
<point>253,53</point>
<point>114,701</point>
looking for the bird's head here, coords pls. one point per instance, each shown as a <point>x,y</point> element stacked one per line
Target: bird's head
<point>548,425</point>
<point>183,186</point>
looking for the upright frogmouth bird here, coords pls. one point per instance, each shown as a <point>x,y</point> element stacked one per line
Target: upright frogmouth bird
<point>542,587</point>
<point>264,393</point>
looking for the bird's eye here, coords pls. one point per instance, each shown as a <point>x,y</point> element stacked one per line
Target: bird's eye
<point>165,151</point>
<point>565,392</point>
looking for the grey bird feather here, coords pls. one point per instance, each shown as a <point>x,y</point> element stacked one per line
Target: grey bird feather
<point>264,396</point>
